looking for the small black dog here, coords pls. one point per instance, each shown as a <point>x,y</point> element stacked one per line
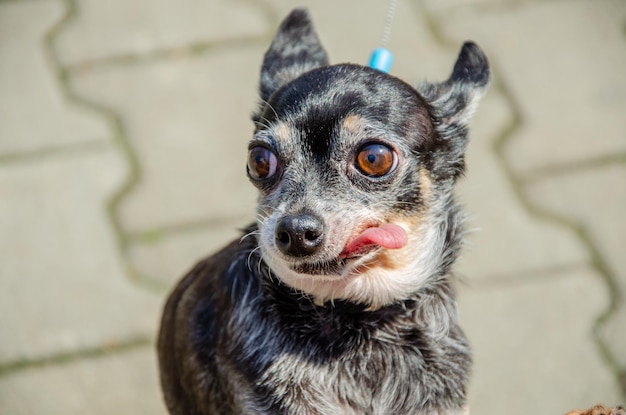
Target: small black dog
<point>338,300</point>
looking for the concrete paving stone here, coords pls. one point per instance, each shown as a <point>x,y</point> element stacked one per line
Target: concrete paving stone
<point>189,122</point>
<point>63,284</point>
<point>34,113</point>
<point>504,239</point>
<point>123,383</point>
<point>119,27</point>
<point>596,199</point>
<point>533,347</point>
<point>170,256</point>
<point>567,78</point>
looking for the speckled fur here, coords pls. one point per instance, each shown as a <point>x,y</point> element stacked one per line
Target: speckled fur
<point>251,330</point>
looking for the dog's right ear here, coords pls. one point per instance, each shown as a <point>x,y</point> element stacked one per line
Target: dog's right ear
<point>295,50</point>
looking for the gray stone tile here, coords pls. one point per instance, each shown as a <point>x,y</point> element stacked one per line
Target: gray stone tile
<point>63,283</point>
<point>189,122</point>
<point>168,257</point>
<point>595,199</point>
<point>114,27</point>
<point>567,78</point>
<point>534,351</point>
<point>35,114</point>
<point>125,383</point>
<point>504,239</point>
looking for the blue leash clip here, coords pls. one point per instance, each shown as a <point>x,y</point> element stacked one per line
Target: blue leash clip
<point>381,59</point>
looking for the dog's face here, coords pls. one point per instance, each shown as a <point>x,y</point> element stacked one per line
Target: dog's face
<point>355,169</point>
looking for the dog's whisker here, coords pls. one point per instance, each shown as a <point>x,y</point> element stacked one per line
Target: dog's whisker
<point>250,255</point>
<point>262,261</point>
<point>261,124</point>
<point>265,102</point>
<point>261,220</point>
<point>249,234</point>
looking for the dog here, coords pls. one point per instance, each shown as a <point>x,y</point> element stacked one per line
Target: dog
<point>339,299</point>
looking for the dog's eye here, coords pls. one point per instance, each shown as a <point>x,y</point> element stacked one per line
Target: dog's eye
<point>375,160</point>
<point>261,163</point>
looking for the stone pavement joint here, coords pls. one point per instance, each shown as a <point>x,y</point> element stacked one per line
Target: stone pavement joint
<point>76,148</point>
<point>65,358</point>
<point>545,172</point>
<point>180,52</point>
<point>598,263</point>
<point>155,234</point>
<point>528,276</point>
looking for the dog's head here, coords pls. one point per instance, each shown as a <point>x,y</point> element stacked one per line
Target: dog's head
<point>355,169</point>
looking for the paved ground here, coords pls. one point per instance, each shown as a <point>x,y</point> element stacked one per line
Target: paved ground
<point>123,126</point>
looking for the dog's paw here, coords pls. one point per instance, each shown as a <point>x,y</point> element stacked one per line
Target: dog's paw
<point>599,410</point>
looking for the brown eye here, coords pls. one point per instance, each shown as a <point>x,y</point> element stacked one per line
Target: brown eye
<point>261,163</point>
<point>375,160</point>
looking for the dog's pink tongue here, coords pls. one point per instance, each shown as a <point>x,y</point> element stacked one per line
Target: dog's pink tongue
<point>390,236</point>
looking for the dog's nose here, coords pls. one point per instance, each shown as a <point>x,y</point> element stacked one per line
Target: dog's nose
<point>299,235</point>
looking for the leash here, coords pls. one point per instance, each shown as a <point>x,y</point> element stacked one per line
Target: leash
<point>381,58</point>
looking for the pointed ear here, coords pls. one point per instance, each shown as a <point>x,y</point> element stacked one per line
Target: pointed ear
<point>455,100</point>
<point>295,50</point>
<point>452,105</point>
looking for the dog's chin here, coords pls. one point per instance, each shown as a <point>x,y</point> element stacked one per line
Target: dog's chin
<point>320,269</point>
<point>340,267</point>
<point>337,279</point>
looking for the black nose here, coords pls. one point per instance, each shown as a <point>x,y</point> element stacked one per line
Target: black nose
<point>299,235</point>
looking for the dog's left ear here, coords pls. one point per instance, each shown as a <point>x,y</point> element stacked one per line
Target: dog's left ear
<point>456,99</point>
<point>454,102</point>
<point>296,49</point>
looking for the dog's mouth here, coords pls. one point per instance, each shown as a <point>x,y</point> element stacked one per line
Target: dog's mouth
<point>365,245</point>
<point>386,236</point>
